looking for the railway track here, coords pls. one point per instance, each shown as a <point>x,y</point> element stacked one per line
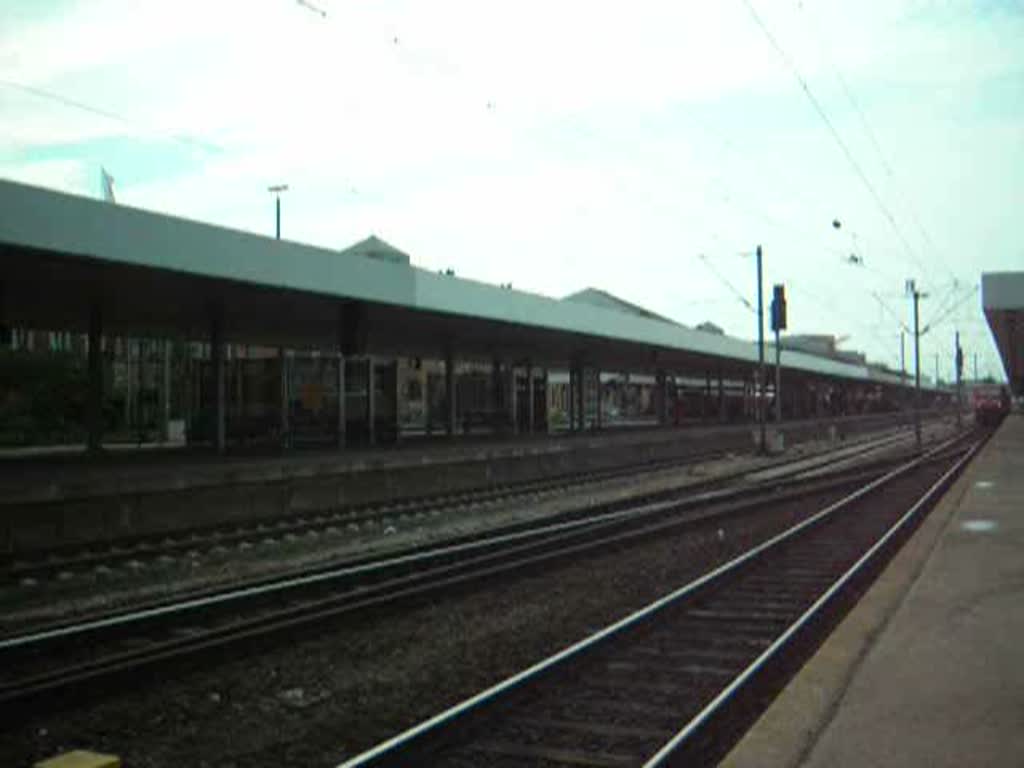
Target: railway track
<point>30,569</point>
<point>747,483</point>
<point>678,681</point>
<point>59,657</point>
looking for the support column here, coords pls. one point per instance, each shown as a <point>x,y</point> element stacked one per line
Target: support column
<point>722,414</point>
<point>165,391</point>
<point>546,386</point>
<point>342,419</point>
<point>707,396</point>
<point>6,334</point>
<point>217,371</point>
<point>513,405</point>
<point>660,399</point>
<point>450,393</point>
<point>286,398</point>
<point>396,393</point>
<point>238,366</point>
<point>581,397</point>
<point>600,398</point>
<point>371,412</point>
<point>530,398</point>
<point>129,380</point>
<point>188,388</point>
<point>495,388</point>
<point>572,398</point>
<point>94,396</point>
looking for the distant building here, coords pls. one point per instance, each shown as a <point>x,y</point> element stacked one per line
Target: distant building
<point>823,345</point>
<point>375,248</point>
<point>709,327</point>
<point>598,298</point>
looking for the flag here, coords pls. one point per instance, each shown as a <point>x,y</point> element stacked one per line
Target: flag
<point>108,185</point>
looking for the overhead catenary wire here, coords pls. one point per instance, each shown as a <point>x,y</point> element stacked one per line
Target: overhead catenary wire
<point>902,324</point>
<point>725,281</point>
<point>952,308</point>
<point>49,95</point>
<point>947,300</point>
<point>832,308</point>
<point>837,138</point>
<point>873,138</point>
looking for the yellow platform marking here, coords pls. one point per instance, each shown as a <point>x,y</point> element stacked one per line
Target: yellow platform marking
<point>81,759</point>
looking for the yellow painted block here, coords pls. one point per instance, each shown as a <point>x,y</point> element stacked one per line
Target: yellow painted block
<point>79,758</point>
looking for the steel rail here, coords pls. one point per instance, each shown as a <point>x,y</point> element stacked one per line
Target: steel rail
<point>662,757</point>
<point>292,617</point>
<point>391,748</point>
<point>320,575</point>
<point>227,534</point>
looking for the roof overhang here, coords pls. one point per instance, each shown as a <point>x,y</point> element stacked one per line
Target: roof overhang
<point>158,275</point>
<point>1002,298</point>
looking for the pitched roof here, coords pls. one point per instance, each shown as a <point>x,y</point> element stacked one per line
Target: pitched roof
<point>598,298</point>
<point>375,248</point>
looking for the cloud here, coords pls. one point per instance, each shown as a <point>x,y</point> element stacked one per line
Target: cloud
<point>553,145</point>
<point>72,176</point>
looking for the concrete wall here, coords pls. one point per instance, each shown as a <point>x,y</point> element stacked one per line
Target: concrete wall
<point>104,506</point>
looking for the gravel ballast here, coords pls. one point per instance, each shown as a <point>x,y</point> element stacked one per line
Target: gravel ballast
<point>328,695</point>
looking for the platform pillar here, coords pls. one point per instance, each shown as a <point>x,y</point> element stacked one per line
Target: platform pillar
<point>342,418</point>
<point>581,397</point>
<point>722,415</point>
<point>707,396</point>
<point>530,398</point>
<point>371,413</point>
<point>94,397</point>
<point>572,399</point>
<point>165,391</point>
<point>6,333</point>
<point>494,399</point>
<point>600,399</point>
<point>512,401</point>
<point>450,393</point>
<point>217,371</point>
<point>286,402</point>
<point>660,400</point>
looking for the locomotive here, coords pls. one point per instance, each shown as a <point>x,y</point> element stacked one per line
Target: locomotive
<point>991,404</point>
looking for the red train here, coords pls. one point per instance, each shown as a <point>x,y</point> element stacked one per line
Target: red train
<point>991,404</point>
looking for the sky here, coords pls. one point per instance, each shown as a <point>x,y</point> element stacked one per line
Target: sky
<point>643,148</point>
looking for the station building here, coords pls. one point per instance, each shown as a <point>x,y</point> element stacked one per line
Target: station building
<point>197,333</point>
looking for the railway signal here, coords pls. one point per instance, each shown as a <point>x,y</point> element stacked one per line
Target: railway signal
<point>778,316</point>
<point>760,352</point>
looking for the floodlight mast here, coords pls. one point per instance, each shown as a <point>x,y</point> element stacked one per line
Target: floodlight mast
<point>277,189</point>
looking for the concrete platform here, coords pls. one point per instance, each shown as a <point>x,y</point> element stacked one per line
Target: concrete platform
<point>47,502</point>
<point>929,667</point>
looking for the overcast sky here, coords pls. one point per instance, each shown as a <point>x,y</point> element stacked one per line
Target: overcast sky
<point>639,147</point>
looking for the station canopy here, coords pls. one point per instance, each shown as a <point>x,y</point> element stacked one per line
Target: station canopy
<point>1002,298</point>
<point>151,274</point>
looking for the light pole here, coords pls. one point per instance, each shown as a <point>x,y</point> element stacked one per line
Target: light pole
<point>285,427</point>
<point>917,296</point>
<point>277,189</point>
<point>903,368</point>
